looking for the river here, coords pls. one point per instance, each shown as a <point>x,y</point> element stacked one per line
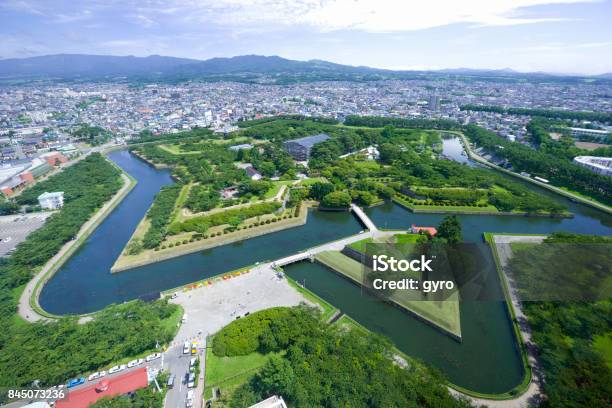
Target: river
<point>486,360</point>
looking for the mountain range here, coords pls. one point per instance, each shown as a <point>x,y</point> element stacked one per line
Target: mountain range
<point>249,68</point>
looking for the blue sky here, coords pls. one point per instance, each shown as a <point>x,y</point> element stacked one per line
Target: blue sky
<point>564,36</point>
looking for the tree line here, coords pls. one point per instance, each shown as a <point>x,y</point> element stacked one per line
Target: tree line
<point>603,117</point>
<point>559,171</point>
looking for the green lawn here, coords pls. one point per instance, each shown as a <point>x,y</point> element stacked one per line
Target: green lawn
<point>341,263</point>
<point>276,186</point>
<point>310,181</point>
<point>227,373</point>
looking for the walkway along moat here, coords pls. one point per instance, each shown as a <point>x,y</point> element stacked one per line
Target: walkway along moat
<point>485,361</point>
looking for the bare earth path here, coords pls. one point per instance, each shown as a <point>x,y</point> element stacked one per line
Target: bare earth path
<point>25,309</point>
<point>534,391</point>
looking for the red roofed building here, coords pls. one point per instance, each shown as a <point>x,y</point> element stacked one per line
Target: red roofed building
<point>428,230</point>
<point>108,387</point>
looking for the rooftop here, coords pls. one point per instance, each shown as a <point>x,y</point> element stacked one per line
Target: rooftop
<point>51,195</point>
<point>310,141</point>
<point>119,385</point>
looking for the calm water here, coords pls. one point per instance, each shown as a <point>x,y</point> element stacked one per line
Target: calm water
<point>485,361</point>
<point>453,148</point>
<point>84,284</point>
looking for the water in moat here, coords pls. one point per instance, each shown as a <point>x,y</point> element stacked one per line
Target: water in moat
<point>486,360</point>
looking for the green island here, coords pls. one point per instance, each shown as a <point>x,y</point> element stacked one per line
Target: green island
<point>223,195</point>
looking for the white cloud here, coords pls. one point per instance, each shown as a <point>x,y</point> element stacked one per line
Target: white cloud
<point>365,15</point>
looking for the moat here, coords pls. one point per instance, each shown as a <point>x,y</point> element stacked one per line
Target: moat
<point>485,361</point>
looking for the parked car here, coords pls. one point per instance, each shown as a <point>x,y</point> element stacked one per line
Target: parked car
<point>75,382</point>
<point>93,376</point>
<point>192,363</point>
<point>135,363</point>
<point>171,379</point>
<point>117,368</point>
<point>102,373</point>
<point>191,380</point>
<point>186,348</point>
<point>152,357</point>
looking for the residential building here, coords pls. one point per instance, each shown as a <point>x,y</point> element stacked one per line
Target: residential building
<point>300,148</point>
<point>51,201</point>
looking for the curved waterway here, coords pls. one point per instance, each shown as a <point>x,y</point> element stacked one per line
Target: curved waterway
<point>486,360</point>
<point>84,284</point>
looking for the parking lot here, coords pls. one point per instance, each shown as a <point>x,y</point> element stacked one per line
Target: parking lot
<point>209,308</point>
<point>15,228</point>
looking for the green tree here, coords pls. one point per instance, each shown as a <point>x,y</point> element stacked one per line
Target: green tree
<point>336,199</point>
<point>319,190</point>
<point>450,230</point>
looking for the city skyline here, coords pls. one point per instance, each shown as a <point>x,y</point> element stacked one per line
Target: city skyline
<point>555,36</point>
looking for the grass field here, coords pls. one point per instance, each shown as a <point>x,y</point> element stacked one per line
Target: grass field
<point>310,181</point>
<point>276,186</point>
<point>443,314</point>
<point>341,263</point>
<point>228,373</point>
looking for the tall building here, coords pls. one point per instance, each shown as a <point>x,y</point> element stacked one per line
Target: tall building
<point>433,103</point>
<point>300,148</point>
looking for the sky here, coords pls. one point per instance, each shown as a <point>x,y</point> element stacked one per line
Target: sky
<point>557,36</point>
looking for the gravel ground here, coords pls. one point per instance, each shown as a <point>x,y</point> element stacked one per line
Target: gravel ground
<point>209,308</point>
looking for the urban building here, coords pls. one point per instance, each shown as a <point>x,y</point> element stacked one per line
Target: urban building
<point>111,387</point>
<point>51,201</point>
<point>577,132</point>
<point>599,165</point>
<point>300,148</point>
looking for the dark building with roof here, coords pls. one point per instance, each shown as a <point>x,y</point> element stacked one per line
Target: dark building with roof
<point>300,148</point>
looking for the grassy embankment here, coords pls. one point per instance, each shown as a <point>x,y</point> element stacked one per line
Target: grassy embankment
<point>184,243</point>
<point>443,315</point>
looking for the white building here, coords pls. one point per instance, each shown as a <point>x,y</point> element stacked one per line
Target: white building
<point>577,132</point>
<point>272,402</point>
<point>600,165</point>
<point>51,201</point>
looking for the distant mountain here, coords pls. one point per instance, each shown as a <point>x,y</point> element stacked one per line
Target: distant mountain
<point>607,75</point>
<point>245,68</point>
<point>70,66</point>
<point>79,65</point>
